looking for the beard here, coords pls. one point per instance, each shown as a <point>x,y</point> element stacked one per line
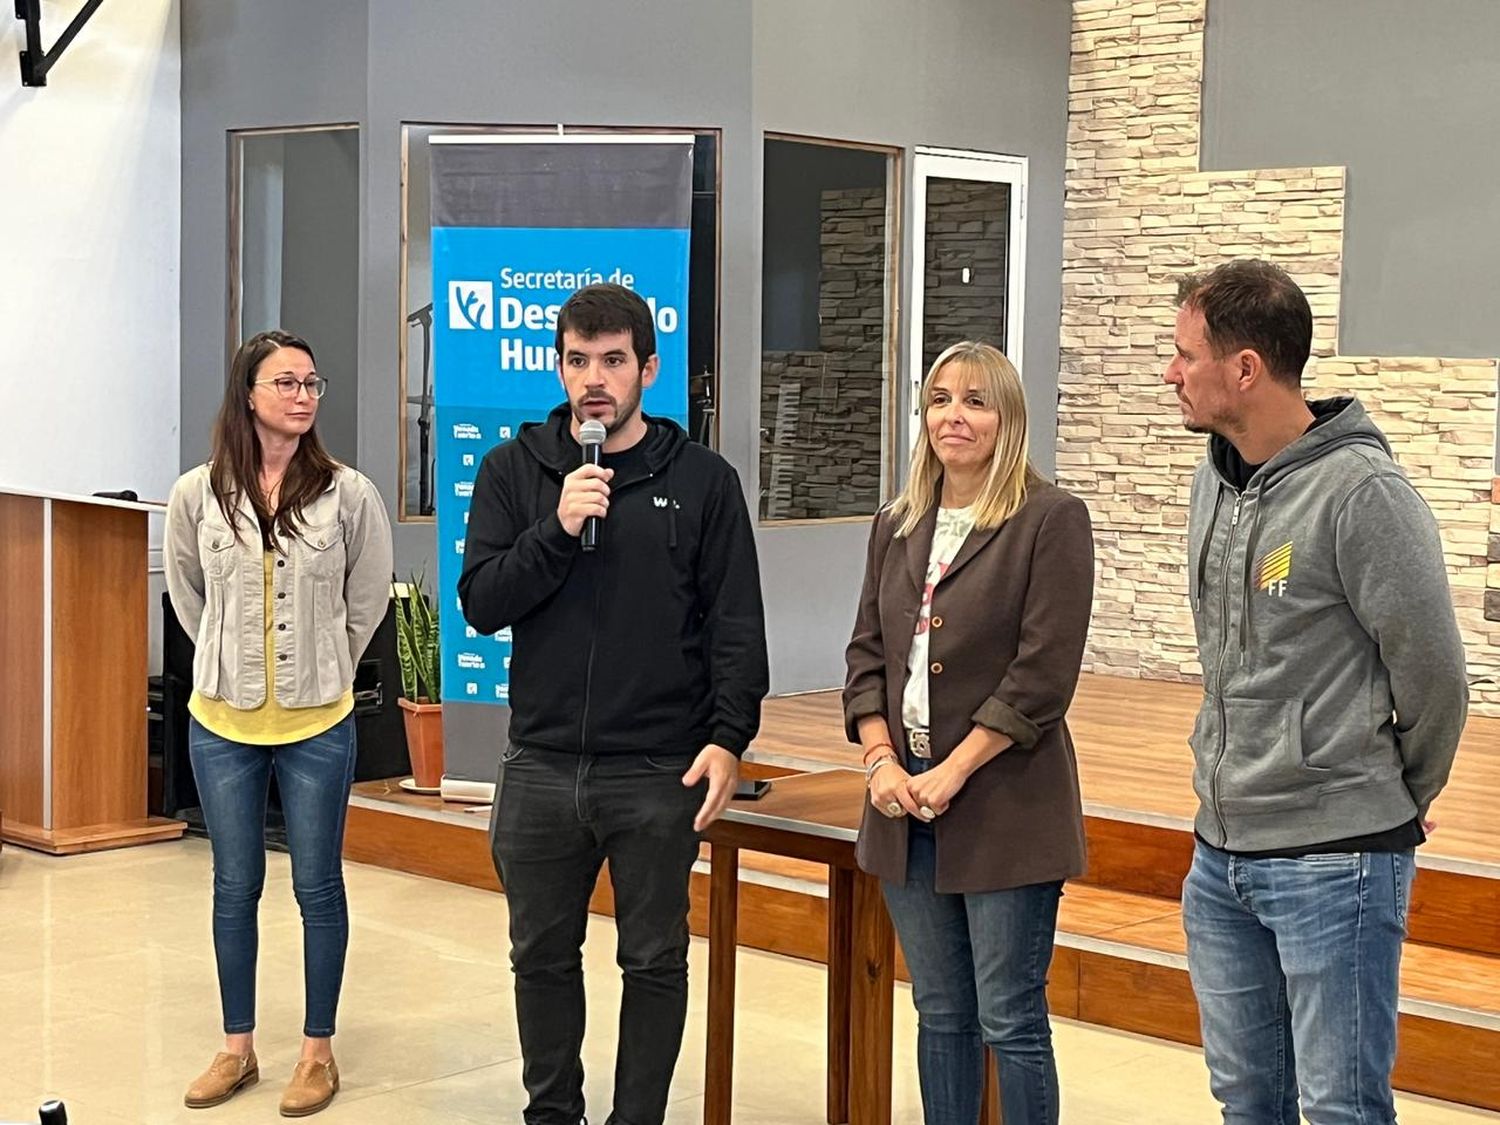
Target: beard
<point>625,409</point>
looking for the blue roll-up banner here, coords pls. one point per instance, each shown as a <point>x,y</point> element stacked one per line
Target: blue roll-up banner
<point>518,224</point>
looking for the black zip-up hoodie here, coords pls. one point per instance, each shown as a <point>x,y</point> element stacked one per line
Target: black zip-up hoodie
<point>654,643</point>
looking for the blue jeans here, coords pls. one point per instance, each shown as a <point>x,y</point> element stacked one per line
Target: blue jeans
<point>1295,963</point>
<point>978,965</point>
<point>557,818</point>
<point>314,777</point>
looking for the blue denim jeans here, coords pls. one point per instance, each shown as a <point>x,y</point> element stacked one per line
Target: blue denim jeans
<point>978,965</point>
<point>314,777</point>
<point>1295,963</point>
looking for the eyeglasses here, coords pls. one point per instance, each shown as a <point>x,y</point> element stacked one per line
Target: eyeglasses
<point>286,386</point>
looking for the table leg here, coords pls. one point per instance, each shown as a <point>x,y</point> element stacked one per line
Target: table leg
<point>872,986</point>
<point>723,942</point>
<point>989,1108</point>
<point>840,961</point>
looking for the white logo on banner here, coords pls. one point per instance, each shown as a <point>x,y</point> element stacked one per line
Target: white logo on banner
<point>471,688</point>
<point>471,304</point>
<point>458,546</point>
<point>463,489</point>
<point>467,431</point>
<point>471,660</point>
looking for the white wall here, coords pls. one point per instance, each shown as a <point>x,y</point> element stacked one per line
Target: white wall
<point>90,172</point>
<point>90,236</point>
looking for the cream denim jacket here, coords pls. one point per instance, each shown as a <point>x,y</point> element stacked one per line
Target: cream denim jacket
<point>330,586</point>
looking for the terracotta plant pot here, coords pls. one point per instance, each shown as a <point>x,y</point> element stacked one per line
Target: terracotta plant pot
<point>424,741</point>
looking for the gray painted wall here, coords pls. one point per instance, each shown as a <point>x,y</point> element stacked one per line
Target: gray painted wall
<point>982,74</point>
<point>320,272</point>
<point>1407,96</point>
<point>271,62</point>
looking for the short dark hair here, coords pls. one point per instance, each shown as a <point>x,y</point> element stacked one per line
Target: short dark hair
<point>606,307</point>
<point>1256,305</point>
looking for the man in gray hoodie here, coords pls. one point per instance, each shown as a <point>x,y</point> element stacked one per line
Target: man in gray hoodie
<point>1334,693</point>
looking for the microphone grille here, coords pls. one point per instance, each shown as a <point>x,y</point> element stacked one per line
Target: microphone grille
<point>591,432</point>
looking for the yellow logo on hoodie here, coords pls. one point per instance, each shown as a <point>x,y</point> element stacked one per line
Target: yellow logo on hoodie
<point>1274,568</point>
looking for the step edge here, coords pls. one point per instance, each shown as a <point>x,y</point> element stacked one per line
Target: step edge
<point>1483,1019</point>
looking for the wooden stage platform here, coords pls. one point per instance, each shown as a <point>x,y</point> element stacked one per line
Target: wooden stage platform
<point>1120,959</point>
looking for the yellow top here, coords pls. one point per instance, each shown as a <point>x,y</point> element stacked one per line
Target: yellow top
<point>270,724</point>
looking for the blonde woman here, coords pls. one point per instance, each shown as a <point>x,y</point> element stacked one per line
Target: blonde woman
<point>964,659</point>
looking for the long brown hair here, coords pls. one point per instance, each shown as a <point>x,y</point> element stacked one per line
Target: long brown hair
<point>1010,475</point>
<point>234,465</point>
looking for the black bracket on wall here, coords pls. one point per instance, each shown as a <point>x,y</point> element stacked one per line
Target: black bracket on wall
<point>35,63</point>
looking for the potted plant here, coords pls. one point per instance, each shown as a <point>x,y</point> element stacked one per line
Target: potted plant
<point>418,653</point>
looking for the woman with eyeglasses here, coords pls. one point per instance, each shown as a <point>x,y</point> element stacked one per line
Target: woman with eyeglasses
<point>965,655</point>
<point>278,563</point>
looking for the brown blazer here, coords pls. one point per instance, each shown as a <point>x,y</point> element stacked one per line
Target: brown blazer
<point>1009,620</point>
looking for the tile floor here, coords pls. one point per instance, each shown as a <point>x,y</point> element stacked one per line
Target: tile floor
<point>107,999</point>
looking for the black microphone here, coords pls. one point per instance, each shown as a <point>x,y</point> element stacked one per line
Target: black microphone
<point>591,436</point>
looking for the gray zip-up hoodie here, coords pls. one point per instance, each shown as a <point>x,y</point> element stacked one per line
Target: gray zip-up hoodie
<point>1334,688</point>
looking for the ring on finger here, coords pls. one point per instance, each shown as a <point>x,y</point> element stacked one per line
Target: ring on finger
<point>893,809</point>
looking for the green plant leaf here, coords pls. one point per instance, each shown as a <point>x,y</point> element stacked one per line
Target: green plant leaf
<point>406,649</point>
<point>424,640</point>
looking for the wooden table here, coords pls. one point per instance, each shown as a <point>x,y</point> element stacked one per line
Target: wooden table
<point>812,817</point>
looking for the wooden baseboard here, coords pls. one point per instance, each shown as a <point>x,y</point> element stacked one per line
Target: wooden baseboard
<point>1459,910</point>
<point>93,837</point>
<point>1456,910</point>
<point>435,848</point>
<point>1439,1058</point>
<point>1144,859</point>
<point>1449,1061</point>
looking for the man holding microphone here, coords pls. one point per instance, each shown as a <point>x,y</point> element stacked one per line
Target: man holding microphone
<point>639,664</point>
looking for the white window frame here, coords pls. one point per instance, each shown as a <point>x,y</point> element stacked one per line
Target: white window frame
<point>961,164</point>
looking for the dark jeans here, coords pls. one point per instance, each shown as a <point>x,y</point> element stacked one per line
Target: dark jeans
<point>1296,964</point>
<point>314,777</point>
<point>557,818</point>
<point>978,965</point>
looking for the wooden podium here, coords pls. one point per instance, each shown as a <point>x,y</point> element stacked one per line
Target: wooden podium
<point>73,653</point>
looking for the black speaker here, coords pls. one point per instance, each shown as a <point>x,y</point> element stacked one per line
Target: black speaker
<point>377,716</point>
<point>179,793</point>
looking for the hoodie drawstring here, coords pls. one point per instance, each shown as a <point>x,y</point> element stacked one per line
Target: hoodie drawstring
<point>1247,576</point>
<point>671,507</point>
<point>1208,538</point>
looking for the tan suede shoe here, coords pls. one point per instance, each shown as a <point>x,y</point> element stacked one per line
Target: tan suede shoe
<point>226,1076</point>
<point>311,1089</point>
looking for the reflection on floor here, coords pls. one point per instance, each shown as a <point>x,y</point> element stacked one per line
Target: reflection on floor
<point>107,999</point>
